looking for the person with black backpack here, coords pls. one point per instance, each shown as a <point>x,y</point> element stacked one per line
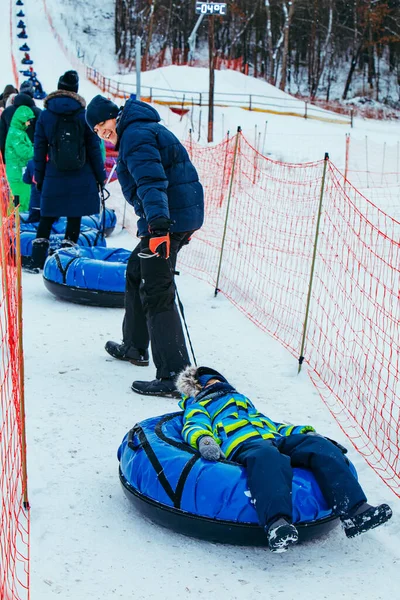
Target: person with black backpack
<point>69,168</point>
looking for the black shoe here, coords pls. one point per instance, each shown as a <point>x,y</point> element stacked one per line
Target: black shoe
<point>29,268</point>
<point>140,358</point>
<point>158,387</point>
<point>281,534</point>
<point>366,517</point>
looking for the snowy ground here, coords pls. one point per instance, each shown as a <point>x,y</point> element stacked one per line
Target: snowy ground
<point>86,540</point>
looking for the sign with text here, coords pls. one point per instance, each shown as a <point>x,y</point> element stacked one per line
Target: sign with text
<point>211,8</point>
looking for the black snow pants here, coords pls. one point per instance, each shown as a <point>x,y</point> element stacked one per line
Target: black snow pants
<point>269,474</point>
<point>151,313</point>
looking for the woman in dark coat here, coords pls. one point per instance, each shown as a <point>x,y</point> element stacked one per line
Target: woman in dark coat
<point>159,180</point>
<point>65,190</point>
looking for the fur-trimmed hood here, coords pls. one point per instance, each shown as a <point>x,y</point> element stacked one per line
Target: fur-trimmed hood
<point>188,384</point>
<point>64,102</point>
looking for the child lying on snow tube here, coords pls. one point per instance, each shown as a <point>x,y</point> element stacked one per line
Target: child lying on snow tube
<point>220,422</point>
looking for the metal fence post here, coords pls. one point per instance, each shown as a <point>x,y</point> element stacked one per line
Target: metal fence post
<point>227,209</point>
<point>321,196</point>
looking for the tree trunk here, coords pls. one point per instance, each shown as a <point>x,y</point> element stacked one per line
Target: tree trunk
<point>288,11</point>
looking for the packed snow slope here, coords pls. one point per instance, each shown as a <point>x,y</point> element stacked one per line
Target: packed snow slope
<point>87,542</point>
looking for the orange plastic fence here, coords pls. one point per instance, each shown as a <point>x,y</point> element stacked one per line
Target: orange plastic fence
<point>14,519</point>
<point>352,343</point>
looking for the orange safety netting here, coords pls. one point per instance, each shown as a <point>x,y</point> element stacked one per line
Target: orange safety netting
<point>14,518</point>
<point>352,342</point>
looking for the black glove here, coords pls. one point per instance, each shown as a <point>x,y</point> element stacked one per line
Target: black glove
<point>159,242</point>
<point>39,186</point>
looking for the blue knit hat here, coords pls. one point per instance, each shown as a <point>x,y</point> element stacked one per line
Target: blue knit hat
<point>205,374</point>
<point>100,109</point>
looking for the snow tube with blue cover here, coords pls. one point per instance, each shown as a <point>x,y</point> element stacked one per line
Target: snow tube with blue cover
<point>94,276</point>
<point>170,483</point>
<point>87,237</point>
<point>92,221</point>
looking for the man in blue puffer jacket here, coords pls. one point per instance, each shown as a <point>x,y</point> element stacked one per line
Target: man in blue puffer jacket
<point>159,181</point>
<point>221,423</point>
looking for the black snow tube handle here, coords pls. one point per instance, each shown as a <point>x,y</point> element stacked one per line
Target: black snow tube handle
<point>131,434</point>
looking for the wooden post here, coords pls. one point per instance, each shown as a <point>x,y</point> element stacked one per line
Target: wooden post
<point>211,59</point>
<point>21,358</point>
<point>227,210</point>
<point>346,166</point>
<point>321,196</point>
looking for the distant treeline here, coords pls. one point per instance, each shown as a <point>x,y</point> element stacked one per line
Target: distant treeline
<point>307,41</point>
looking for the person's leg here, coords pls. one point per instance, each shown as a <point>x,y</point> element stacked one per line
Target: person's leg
<point>269,477</point>
<point>40,245</point>
<point>73,229</point>
<point>134,326</point>
<point>157,290</point>
<point>135,338</point>
<point>44,227</point>
<point>329,466</point>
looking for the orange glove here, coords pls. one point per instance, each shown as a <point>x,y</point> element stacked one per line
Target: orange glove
<point>160,245</point>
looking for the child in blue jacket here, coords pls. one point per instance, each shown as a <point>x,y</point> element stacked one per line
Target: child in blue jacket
<point>34,200</point>
<point>221,423</point>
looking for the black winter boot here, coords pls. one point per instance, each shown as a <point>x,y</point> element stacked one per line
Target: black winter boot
<point>280,535</point>
<point>40,248</point>
<point>158,387</point>
<point>364,518</point>
<point>137,357</point>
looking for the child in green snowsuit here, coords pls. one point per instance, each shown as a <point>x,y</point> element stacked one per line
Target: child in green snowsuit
<point>19,150</point>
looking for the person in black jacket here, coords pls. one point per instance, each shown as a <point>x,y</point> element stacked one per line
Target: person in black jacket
<point>69,167</point>
<point>158,179</point>
<point>24,98</point>
<point>8,90</point>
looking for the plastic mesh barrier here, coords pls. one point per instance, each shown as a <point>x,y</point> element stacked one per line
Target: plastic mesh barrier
<point>14,519</point>
<point>352,340</point>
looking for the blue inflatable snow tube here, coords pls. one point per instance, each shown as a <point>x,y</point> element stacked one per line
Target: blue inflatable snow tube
<point>87,237</point>
<point>171,484</point>
<point>92,221</point>
<point>94,276</point>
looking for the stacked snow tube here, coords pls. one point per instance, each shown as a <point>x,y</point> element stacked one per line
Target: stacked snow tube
<point>92,221</point>
<point>93,276</point>
<point>88,237</point>
<point>171,484</point>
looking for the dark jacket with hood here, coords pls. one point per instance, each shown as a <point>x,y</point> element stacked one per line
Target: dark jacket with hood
<point>67,193</point>
<point>156,175</point>
<point>8,113</point>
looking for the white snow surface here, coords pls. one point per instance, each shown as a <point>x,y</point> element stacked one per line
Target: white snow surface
<point>87,541</point>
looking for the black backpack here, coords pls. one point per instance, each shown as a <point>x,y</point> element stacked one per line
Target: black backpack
<point>67,148</point>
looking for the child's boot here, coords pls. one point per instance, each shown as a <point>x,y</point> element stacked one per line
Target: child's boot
<point>365,517</point>
<point>281,534</point>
